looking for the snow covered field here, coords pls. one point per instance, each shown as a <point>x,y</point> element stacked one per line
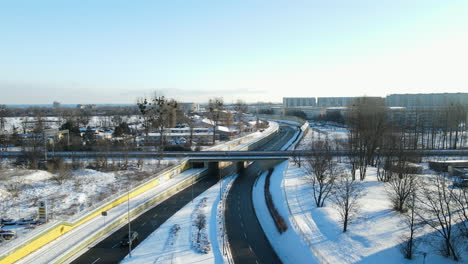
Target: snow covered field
<point>317,132</point>
<point>373,238</point>
<point>20,191</point>
<point>173,241</point>
<point>330,130</point>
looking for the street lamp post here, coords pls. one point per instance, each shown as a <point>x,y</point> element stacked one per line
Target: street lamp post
<point>129,228</point>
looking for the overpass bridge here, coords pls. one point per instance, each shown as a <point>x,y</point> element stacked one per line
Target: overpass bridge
<point>227,155</point>
<point>213,159</point>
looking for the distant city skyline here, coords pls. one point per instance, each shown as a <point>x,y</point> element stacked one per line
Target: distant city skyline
<point>112,52</point>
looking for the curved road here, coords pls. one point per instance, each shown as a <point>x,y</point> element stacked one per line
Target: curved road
<point>109,250</point>
<point>246,237</point>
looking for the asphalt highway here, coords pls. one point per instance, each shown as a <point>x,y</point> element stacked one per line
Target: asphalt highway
<point>109,250</point>
<point>246,237</point>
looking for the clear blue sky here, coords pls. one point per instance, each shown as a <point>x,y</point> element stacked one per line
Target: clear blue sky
<point>115,51</point>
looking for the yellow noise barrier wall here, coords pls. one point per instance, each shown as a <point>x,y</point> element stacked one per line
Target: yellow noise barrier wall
<point>60,229</point>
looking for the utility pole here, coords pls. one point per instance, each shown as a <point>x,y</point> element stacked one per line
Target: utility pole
<point>129,229</point>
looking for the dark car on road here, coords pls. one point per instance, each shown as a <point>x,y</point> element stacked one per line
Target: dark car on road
<point>8,221</point>
<point>129,238</point>
<point>26,221</point>
<point>7,234</point>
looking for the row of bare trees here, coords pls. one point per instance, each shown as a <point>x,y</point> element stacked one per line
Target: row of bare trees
<point>329,180</point>
<point>431,201</point>
<point>436,203</point>
<point>438,128</point>
<point>423,201</point>
<point>374,131</point>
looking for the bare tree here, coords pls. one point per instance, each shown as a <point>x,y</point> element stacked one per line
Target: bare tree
<point>297,158</point>
<point>83,116</point>
<point>322,171</point>
<point>61,172</point>
<point>215,108</point>
<point>408,246</point>
<point>460,196</point>
<point>402,182</point>
<point>438,211</point>
<point>157,113</point>
<point>366,121</point>
<point>241,108</point>
<point>3,115</point>
<point>15,185</point>
<point>200,223</point>
<point>346,195</point>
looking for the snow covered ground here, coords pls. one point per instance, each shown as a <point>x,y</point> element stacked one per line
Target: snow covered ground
<point>166,246</point>
<point>317,132</point>
<point>289,246</point>
<point>20,191</point>
<point>373,238</point>
<point>66,243</point>
<point>330,130</point>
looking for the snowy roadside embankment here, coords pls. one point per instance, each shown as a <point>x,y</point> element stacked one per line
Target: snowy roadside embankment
<point>222,245</point>
<point>289,246</point>
<point>155,249</point>
<point>374,237</point>
<point>169,246</point>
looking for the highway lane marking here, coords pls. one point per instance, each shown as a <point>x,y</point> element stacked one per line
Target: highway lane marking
<point>142,225</point>
<point>116,245</point>
<point>250,249</point>
<point>96,260</point>
<point>155,215</point>
<point>245,235</point>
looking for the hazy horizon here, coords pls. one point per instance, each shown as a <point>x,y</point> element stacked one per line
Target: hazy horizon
<point>112,52</point>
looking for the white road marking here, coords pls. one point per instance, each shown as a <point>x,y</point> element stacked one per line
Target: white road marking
<point>116,245</point>
<point>96,260</point>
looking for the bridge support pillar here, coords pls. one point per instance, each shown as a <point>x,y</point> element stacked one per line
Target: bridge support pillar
<point>240,166</point>
<point>213,168</point>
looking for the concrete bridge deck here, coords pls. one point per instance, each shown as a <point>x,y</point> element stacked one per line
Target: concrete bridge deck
<point>226,155</point>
